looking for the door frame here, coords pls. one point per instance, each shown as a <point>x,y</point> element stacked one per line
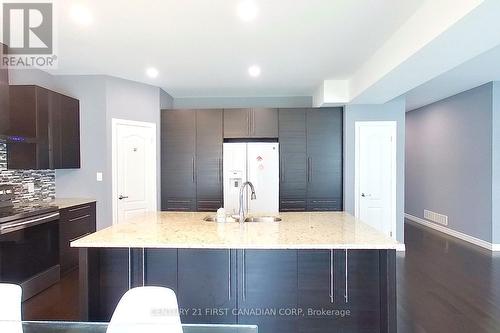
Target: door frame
<point>393,128</point>
<point>115,122</point>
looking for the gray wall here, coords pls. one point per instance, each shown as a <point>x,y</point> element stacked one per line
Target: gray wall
<point>449,161</point>
<point>242,102</point>
<point>495,230</point>
<point>132,101</point>
<point>101,99</point>
<point>391,111</point>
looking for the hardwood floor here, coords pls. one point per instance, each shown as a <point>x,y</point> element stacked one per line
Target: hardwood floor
<point>444,285</point>
<point>59,302</point>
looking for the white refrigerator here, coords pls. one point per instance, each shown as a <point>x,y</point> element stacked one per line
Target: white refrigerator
<point>257,162</point>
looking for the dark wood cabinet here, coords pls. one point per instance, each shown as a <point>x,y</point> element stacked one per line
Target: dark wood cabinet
<point>44,129</point>
<point>191,154</point>
<point>237,123</point>
<point>311,159</point>
<point>324,283</point>
<point>207,283</point>
<point>178,160</point>
<point>250,123</point>
<point>324,159</point>
<point>75,222</point>
<point>209,177</point>
<point>268,280</point>
<point>264,123</point>
<point>68,157</point>
<point>293,157</point>
<point>302,291</point>
<point>160,268</point>
<point>4,95</point>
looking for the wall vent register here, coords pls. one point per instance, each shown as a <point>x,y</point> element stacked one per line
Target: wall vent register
<point>435,217</point>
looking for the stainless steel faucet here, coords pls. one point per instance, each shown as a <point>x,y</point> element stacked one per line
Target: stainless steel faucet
<point>252,197</point>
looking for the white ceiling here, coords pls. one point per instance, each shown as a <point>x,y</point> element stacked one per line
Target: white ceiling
<point>202,49</point>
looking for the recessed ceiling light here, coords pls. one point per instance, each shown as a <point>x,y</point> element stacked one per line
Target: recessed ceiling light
<point>152,72</point>
<point>81,15</point>
<point>247,10</point>
<point>254,71</point>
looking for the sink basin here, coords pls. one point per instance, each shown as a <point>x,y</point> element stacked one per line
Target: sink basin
<point>213,218</point>
<point>263,219</point>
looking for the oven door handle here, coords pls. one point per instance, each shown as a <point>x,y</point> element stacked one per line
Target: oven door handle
<point>25,224</point>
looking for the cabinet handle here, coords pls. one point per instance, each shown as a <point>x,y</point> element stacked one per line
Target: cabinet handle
<point>79,218</point>
<point>346,295</point>
<point>308,169</point>
<point>332,287</point>
<point>193,167</point>
<point>244,277</point>
<point>79,208</point>
<point>81,236</point>
<point>282,171</point>
<point>229,275</point>
<point>220,170</point>
<point>311,169</point>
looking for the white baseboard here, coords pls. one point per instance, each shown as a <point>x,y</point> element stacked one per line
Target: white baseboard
<point>453,233</point>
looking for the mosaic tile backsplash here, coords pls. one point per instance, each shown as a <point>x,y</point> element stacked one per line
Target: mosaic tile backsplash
<point>44,181</point>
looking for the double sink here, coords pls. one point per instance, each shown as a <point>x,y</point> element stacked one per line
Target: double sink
<point>213,218</point>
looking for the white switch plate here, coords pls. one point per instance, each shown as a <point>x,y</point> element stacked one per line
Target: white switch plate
<point>99,176</point>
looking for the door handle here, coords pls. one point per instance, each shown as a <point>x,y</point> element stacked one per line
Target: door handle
<point>364,195</point>
<point>121,197</point>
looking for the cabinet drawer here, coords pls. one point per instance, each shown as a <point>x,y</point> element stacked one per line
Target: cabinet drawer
<point>292,205</point>
<point>208,205</point>
<point>187,205</point>
<point>77,212</point>
<point>71,230</point>
<point>329,204</point>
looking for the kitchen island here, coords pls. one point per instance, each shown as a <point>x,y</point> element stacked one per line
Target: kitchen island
<point>311,272</point>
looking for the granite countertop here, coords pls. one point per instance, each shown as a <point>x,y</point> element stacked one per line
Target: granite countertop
<point>63,203</point>
<point>318,230</point>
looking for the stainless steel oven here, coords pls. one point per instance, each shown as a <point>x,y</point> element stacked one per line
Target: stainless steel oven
<point>29,247</point>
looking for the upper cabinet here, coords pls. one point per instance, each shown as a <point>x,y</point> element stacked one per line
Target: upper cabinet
<point>4,96</point>
<point>44,131</point>
<point>250,123</point>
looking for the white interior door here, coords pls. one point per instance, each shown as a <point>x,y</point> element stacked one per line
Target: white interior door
<point>376,175</point>
<point>134,169</point>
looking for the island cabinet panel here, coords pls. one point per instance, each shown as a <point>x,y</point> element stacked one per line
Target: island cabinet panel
<point>353,299</point>
<point>324,159</point>
<point>209,178</point>
<point>207,286</point>
<point>160,268</point>
<point>346,291</point>
<point>267,289</point>
<point>178,160</point>
<point>293,157</point>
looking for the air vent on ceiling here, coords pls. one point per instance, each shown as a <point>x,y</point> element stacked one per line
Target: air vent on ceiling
<point>435,217</point>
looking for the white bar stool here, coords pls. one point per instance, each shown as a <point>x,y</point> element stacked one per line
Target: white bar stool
<point>146,309</point>
<point>10,302</point>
